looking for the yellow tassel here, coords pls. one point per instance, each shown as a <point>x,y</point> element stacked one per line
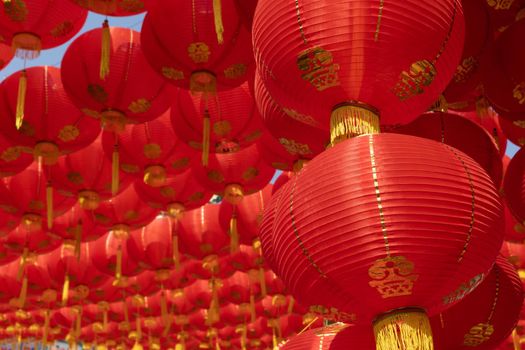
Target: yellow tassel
<point>181,345</point>
<point>217,344</point>
<point>206,138</point>
<point>262,282</point>
<point>105,319</point>
<point>244,338</point>
<point>291,304</point>
<point>138,326</point>
<point>21,99</point>
<point>105,50</point>
<point>406,329</point>
<point>175,244</point>
<point>348,121</point>
<point>126,313</point>
<point>516,340</point>
<point>137,346</point>
<point>213,311</point>
<point>49,206</point>
<point>23,293</point>
<point>234,235</point>
<point>46,328</point>
<point>118,268</point>
<point>22,265</point>
<point>275,341</point>
<point>65,290</point>
<point>253,316</point>
<point>78,239</point>
<point>482,107</point>
<point>115,171</point>
<point>163,307</point>
<point>217,16</point>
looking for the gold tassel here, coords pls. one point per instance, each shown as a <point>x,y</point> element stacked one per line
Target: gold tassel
<point>262,282</point>
<point>78,325</point>
<point>516,340</point>
<point>348,121</point>
<point>244,337</point>
<point>23,293</point>
<point>234,235</point>
<point>78,239</point>
<point>137,346</point>
<point>21,99</point>
<point>126,313</point>
<point>118,267</point>
<point>65,290</point>
<point>206,138</point>
<point>163,307</point>
<point>175,245</point>
<point>138,326</point>
<point>46,328</point>
<point>291,305</point>
<point>115,171</point>
<point>217,343</point>
<point>406,329</point>
<point>275,341</point>
<point>22,265</point>
<point>105,319</point>
<point>217,16</point>
<point>253,315</point>
<point>49,206</point>
<point>105,50</point>
<point>213,311</point>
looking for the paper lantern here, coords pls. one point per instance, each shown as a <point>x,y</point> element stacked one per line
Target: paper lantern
<point>452,130</point>
<point>6,55</point>
<point>485,317</point>
<point>224,122</point>
<point>349,66</point>
<point>356,202</point>
<point>13,158</point>
<point>513,126</point>
<point>32,25</point>
<point>504,82</point>
<point>150,150</point>
<point>115,7</point>
<point>513,186</point>
<point>44,119</point>
<point>212,50</point>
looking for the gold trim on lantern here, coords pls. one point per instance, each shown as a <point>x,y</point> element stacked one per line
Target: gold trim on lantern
<point>155,175</point>
<point>88,200</point>
<point>48,151</point>
<point>233,194</point>
<point>203,81</point>
<point>176,210</point>
<point>353,119</point>
<point>26,45</point>
<point>32,222</point>
<point>113,121</point>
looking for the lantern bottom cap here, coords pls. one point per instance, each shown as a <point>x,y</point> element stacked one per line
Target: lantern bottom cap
<point>26,45</point>
<point>352,119</point>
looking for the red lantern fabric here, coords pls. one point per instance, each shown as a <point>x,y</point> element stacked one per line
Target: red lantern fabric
<point>504,82</point>
<point>452,130</point>
<point>212,50</point>
<point>390,62</point>
<point>514,230</point>
<point>503,13</point>
<point>122,97</point>
<point>150,150</point>
<point>13,158</point>
<point>77,226</point>
<point>485,317</point>
<point>87,175</point>
<point>478,34</point>
<point>249,214</point>
<point>513,186</point>
<point>396,232</point>
<point>6,55</point>
<point>32,25</point>
<point>513,126</point>
<point>52,124</point>
<point>115,7</point>
<point>276,156</point>
<point>282,180</point>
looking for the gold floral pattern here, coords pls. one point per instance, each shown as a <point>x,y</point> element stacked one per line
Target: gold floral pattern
<point>393,276</point>
<point>235,71</point>
<point>215,176</point>
<point>140,105</point>
<point>172,73</point>
<point>222,128</point>
<point>75,177</point>
<point>11,154</point>
<point>500,4</point>
<point>519,92</point>
<point>62,29</point>
<point>295,148</point>
<point>250,174</point>
<point>68,133</point>
<point>199,52</point>
<point>152,151</point>
<point>97,93</point>
<point>16,10</point>
<point>133,6</point>
<point>180,163</point>
<point>129,168</point>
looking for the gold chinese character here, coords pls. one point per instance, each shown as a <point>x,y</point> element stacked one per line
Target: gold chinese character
<point>393,276</point>
<point>318,68</point>
<point>519,92</point>
<point>411,83</point>
<point>478,334</point>
<point>199,52</point>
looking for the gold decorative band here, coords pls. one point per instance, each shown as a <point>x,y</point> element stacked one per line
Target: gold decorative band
<point>350,120</point>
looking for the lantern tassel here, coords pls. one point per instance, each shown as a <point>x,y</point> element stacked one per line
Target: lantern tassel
<point>78,239</point>
<point>408,329</point>
<point>262,282</point>
<point>275,341</point>
<point>206,138</point>
<point>105,319</point>
<point>234,235</point>
<point>253,316</point>
<point>516,340</point>
<point>23,293</point>
<point>137,346</point>
<point>118,268</point>
<point>176,252</point>
<point>21,99</point>
<point>163,307</point>
<point>126,314</point>
<point>49,206</point>
<point>482,107</point>
<point>348,121</point>
<point>138,326</point>
<point>217,16</point>
<point>181,345</point>
<point>291,305</point>
<point>22,265</point>
<point>105,50</point>
<point>78,326</point>
<point>65,290</point>
<point>45,335</point>
<point>213,311</point>
<point>114,171</point>
<point>244,338</point>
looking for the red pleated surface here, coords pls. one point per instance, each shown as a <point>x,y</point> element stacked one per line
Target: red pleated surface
<point>396,57</point>
<point>123,90</point>
<point>375,202</point>
<point>49,113</point>
<point>195,48</point>
<point>115,7</point>
<point>53,21</point>
<point>485,317</point>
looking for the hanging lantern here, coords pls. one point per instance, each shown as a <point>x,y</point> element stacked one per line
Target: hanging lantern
<point>513,127</point>
<point>504,82</point>
<point>13,157</point>
<point>221,123</point>
<point>349,67</point>
<point>503,13</point>
<point>121,97</point>
<point>513,186</point>
<point>355,202</point>
<point>32,25</point>
<point>212,50</point>
<point>452,129</point>
<point>485,317</point>
<point>150,151</point>
<point>87,175</point>
<point>6,55</point>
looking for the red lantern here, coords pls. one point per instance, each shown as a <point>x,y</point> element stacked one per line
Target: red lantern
<point>485,317</point>
<point>115,7</point>
<point>13,158</point>
<point>212,50</point>
<point>513,126</point>
<point>504,82</point>
<point>150,150</point>
<point>33,25</point>
<point>6,55</point>
<point>513,186</point>
<point>452,129</point>
<point>282,180</point>
<point>503,13</point>
<point>50,124</point>
<point>349,66</point>
<point>224,122</point>
<point>333,337</point>
<point>356,202</point>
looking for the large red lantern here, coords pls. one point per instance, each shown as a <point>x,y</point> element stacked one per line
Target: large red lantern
<point>513,186</point>
<point>332,337</point>
<point>350,65</point>
<point>32,25</point>
<point>212,50</point>
<point>115,7</point>
<point>220,123</point>
<point>504,82</point>
<point>485,317</point>
<point>49,123</point>
<point>452,129</point>
<point>352,240</point>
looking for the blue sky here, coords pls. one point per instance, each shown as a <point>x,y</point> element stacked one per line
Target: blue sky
<point>54,57</point>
